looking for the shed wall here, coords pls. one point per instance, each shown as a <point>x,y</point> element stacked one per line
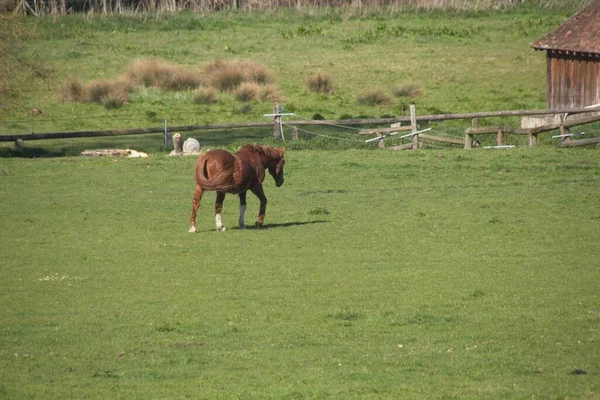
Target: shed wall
<point>573,80</point>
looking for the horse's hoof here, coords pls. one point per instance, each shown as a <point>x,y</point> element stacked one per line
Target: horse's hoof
<point>192,229</point>
<point>259,225</point>
<point>221,229</point>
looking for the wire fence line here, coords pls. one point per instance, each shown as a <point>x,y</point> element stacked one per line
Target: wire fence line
<point>460,136</point>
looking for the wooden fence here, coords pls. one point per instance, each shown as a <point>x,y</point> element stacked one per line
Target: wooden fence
<point>394,124</point>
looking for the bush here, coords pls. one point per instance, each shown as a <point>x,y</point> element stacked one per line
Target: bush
<point>320,83</point>
<point>373,97</point>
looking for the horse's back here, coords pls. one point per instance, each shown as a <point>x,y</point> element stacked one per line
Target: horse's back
<point>216,160</point>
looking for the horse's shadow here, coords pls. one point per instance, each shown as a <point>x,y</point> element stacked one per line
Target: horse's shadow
<point>285,224</point>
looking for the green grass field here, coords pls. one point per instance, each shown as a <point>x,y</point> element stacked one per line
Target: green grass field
<point>436,273</point>
<point>431,274</point>
<point>463,62</point>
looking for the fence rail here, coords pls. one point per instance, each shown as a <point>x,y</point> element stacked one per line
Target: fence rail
<point>345,122</point>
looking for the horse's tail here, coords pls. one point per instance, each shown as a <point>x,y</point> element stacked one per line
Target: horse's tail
<point>221,181</point>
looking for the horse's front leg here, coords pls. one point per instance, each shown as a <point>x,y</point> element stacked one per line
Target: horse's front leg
<point>242,210</point>
<point>218,209</point>
<point>258,191</point>
<point>195,205</point>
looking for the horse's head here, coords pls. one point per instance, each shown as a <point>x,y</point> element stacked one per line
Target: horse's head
<point>276,163</point>
<point>276,166</point>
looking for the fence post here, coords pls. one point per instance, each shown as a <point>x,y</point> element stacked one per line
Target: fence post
<point>564,132</point>
<point>500,139</point>
<point>294,133</point>
<point>532,139</point>
<point>413,126</point>
<point>469,138</point>
<point>277,121</point>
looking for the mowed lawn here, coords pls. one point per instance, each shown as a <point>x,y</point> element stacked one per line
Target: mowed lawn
<point>381,274</point>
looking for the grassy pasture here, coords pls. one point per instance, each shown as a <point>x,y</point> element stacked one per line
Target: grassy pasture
<point>381,275</point>
<point>462,62</point>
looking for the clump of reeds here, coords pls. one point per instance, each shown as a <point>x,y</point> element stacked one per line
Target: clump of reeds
<point>73,90</point>
<point>111,94</point>
<point>160,75</point>
<point>227,76</point>
<point>408,90</point>
<point>206,95</point>
<point>320,83</point>
<point>247,81</point>
<point>269,93</point>
<point>373,97</point>
<point>247,91</point>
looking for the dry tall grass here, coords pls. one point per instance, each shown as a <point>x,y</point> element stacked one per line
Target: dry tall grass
<point>227,76</point>
<point>206,95</point>
<point>373,97</point>
<point>158,74</point>
<point>56,7</point>
<point>111,94</point>
<point>73,90</point>
<point>320,83</point>
<point>408,90</point>
<point>269,93</point>
<point>247,91</point>
<point>247,81</point>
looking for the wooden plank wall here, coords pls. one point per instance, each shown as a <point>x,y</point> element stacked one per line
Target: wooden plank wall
<point>573,80</point>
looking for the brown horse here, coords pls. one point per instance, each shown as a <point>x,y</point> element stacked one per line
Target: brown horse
<point>224,172</point>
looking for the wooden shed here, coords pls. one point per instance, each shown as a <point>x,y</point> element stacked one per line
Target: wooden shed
<point>573,60</point>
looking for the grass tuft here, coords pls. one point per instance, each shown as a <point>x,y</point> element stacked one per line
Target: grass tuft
<point>205,95</point>
<point>105,90</point>
<point>409,90</point>
<point>247,91</point>
<point>320,83</point>
<point>158,74</point>
<point>373,97</point>
<point>269,93</point>
<point>73,90</point>
<point>227,76</point>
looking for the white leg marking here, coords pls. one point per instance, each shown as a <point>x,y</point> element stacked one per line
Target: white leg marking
<point>192,229</point>
<point>242,214</point>
<point>220,226</point>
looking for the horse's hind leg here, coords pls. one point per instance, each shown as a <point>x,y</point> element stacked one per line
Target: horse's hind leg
<point>195,205</point>
<point>242,210</point>
<point>258,191</point>
<point>218,209</point>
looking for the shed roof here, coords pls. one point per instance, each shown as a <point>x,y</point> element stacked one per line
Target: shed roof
<point>579,34</point>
